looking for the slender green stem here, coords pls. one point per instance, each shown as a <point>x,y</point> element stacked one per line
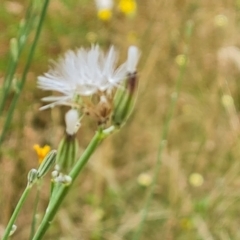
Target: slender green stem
<point>34,219</point>
<point>24,75</point>
<point>16,212</point>
<point>163,140</point>
<point>162,145</point>
<point>63,189</point>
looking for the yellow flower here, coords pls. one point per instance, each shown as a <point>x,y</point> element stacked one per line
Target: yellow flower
<point>128,7</point>
<point>105,14</point>
<point>196,179</point>
<point>181,59</point>
<point>41,151</point>
<point>144,179</point>
<point>104,8</point>
<point>221,20</point>
<point>227,101</point>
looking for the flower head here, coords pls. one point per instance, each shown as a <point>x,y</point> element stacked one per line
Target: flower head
<point>196,179</point>
<point>128,7</point>
<point>82,73</point>
<point>88,80</point>
<point>104,9</point>
<point>104,14</point>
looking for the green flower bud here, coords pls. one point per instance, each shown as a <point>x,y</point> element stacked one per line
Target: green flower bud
<point>125,97</point>
<point>68,147</point>
<point>32,177</point>
<point>124,101</point>
<point>47,163</point>
<point>14,228</point>
<point>67,153</point>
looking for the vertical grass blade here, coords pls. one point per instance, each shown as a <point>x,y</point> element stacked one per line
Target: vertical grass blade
<point>25,71</point>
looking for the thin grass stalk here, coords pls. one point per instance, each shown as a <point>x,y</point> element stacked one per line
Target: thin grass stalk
<point>13,61</point>
<point>63,189</point>
<point>16,212</point>
<point>162,144</point>
<point>24,75</point>
<point>34,219</point>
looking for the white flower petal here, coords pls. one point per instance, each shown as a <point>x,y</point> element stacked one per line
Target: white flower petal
<point>133,57</point>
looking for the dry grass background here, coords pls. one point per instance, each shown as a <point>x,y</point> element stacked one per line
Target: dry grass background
<point>105,202</point>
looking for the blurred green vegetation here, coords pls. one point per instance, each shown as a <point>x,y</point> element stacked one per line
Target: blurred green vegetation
<point>107,200</point>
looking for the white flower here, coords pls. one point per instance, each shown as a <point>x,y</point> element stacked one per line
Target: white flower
<point>82,73</point>
<point>104,4</point>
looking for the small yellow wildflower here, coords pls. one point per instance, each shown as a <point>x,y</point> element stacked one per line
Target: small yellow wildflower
<point>227,101</point>
<point>221,20</point>
<point>105,14</point>
<point>196,179</point>
<point>41,151</point>
<point>127,7</point>
<point>144,179</point>
<point>181,60</point>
